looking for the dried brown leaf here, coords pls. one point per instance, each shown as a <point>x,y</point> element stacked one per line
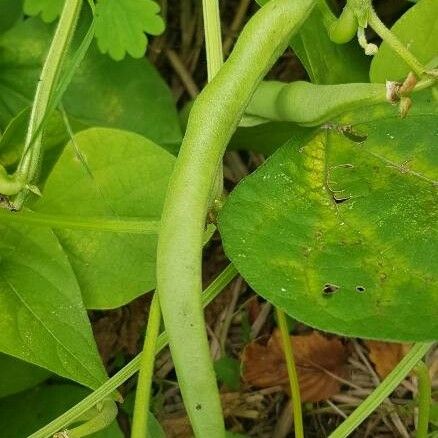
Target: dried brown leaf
<point>385,355</point>
<point>317,358</point>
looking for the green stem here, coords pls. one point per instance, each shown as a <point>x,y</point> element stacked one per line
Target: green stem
<point>292,372</point>
<point>424,399</point>
<point>122,225</point>
<point>382,391</point>
<point>387,36</point>
<point>98,418</point>
<point>215,59</point>
<point>213,119</point>
<point>130,369</point>
<point>143,391</point>
<point>30,160</point>
<point>213,39</point>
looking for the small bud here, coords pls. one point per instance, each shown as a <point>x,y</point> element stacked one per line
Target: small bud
<point>408,85</point>
<point>392,94</point>
<point>405,106</point>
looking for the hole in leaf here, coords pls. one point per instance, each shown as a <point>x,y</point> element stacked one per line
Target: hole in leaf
<point>353,135</point>
<point>198,407</point>
<point>330,289</point>
<point>340,200</point>
<point>360,289</point>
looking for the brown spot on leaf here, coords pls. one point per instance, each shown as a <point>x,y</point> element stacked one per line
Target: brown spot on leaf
<point>317,359</point>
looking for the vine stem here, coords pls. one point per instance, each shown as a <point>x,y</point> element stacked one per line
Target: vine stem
<point>387,36</point>
<point>382,391</point>
<point>424,399</point>
<point>292,372</point>
<point>213,119</point>
<point>213,38</point>
<point>108,388</point>
<point>30,160</point>
<point>143,391</point>
<point>215,60</point>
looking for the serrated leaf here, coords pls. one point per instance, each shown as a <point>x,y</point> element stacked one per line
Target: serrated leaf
<point>340,233</point>
<point>418,30</point>
<point>50,10</point>
<point>119,175</point>
<point>121,26</point>
<point>42,317</point>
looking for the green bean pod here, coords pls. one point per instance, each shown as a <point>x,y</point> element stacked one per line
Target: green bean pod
<point>212,121</point>
<point>309,104</point>
<point>345,27</point>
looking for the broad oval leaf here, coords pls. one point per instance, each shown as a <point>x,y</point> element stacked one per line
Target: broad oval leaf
<point>340,232</point>
<point>418,30</point>
<point>109,174</point>
<point>42,316</point>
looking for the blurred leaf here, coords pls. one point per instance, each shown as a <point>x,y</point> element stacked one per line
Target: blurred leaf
<point>339,232</point>
<point>126,95</point>
<point>120,26</point>
<point>228,371</point>
<point>129,182</point>
<point>25,413</point>
<point>268,137</point>
<point>418,30</point>
<point>17,375</point>
<point>11,11</point>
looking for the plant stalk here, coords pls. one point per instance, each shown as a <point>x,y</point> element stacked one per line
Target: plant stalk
<point>387,36</point>
<point>382,391</point>
<point>292,372</point>
<point>30,160</point>
<point>143,391</point>
<point>424,399</point>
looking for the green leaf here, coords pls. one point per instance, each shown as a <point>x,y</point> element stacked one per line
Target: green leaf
<point>17,375</point>
<point>50,10</point>
<point>120,26</point>
<point>418,30</point>
<point>228,371</point>
<point>325,61</point>
<point>25,413</point>
<point>267,137</point>
<point>121,175</point>
<point>339,233</point>
<point>126,95</point>
<point>11,11</point>
<point>42,317</point>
